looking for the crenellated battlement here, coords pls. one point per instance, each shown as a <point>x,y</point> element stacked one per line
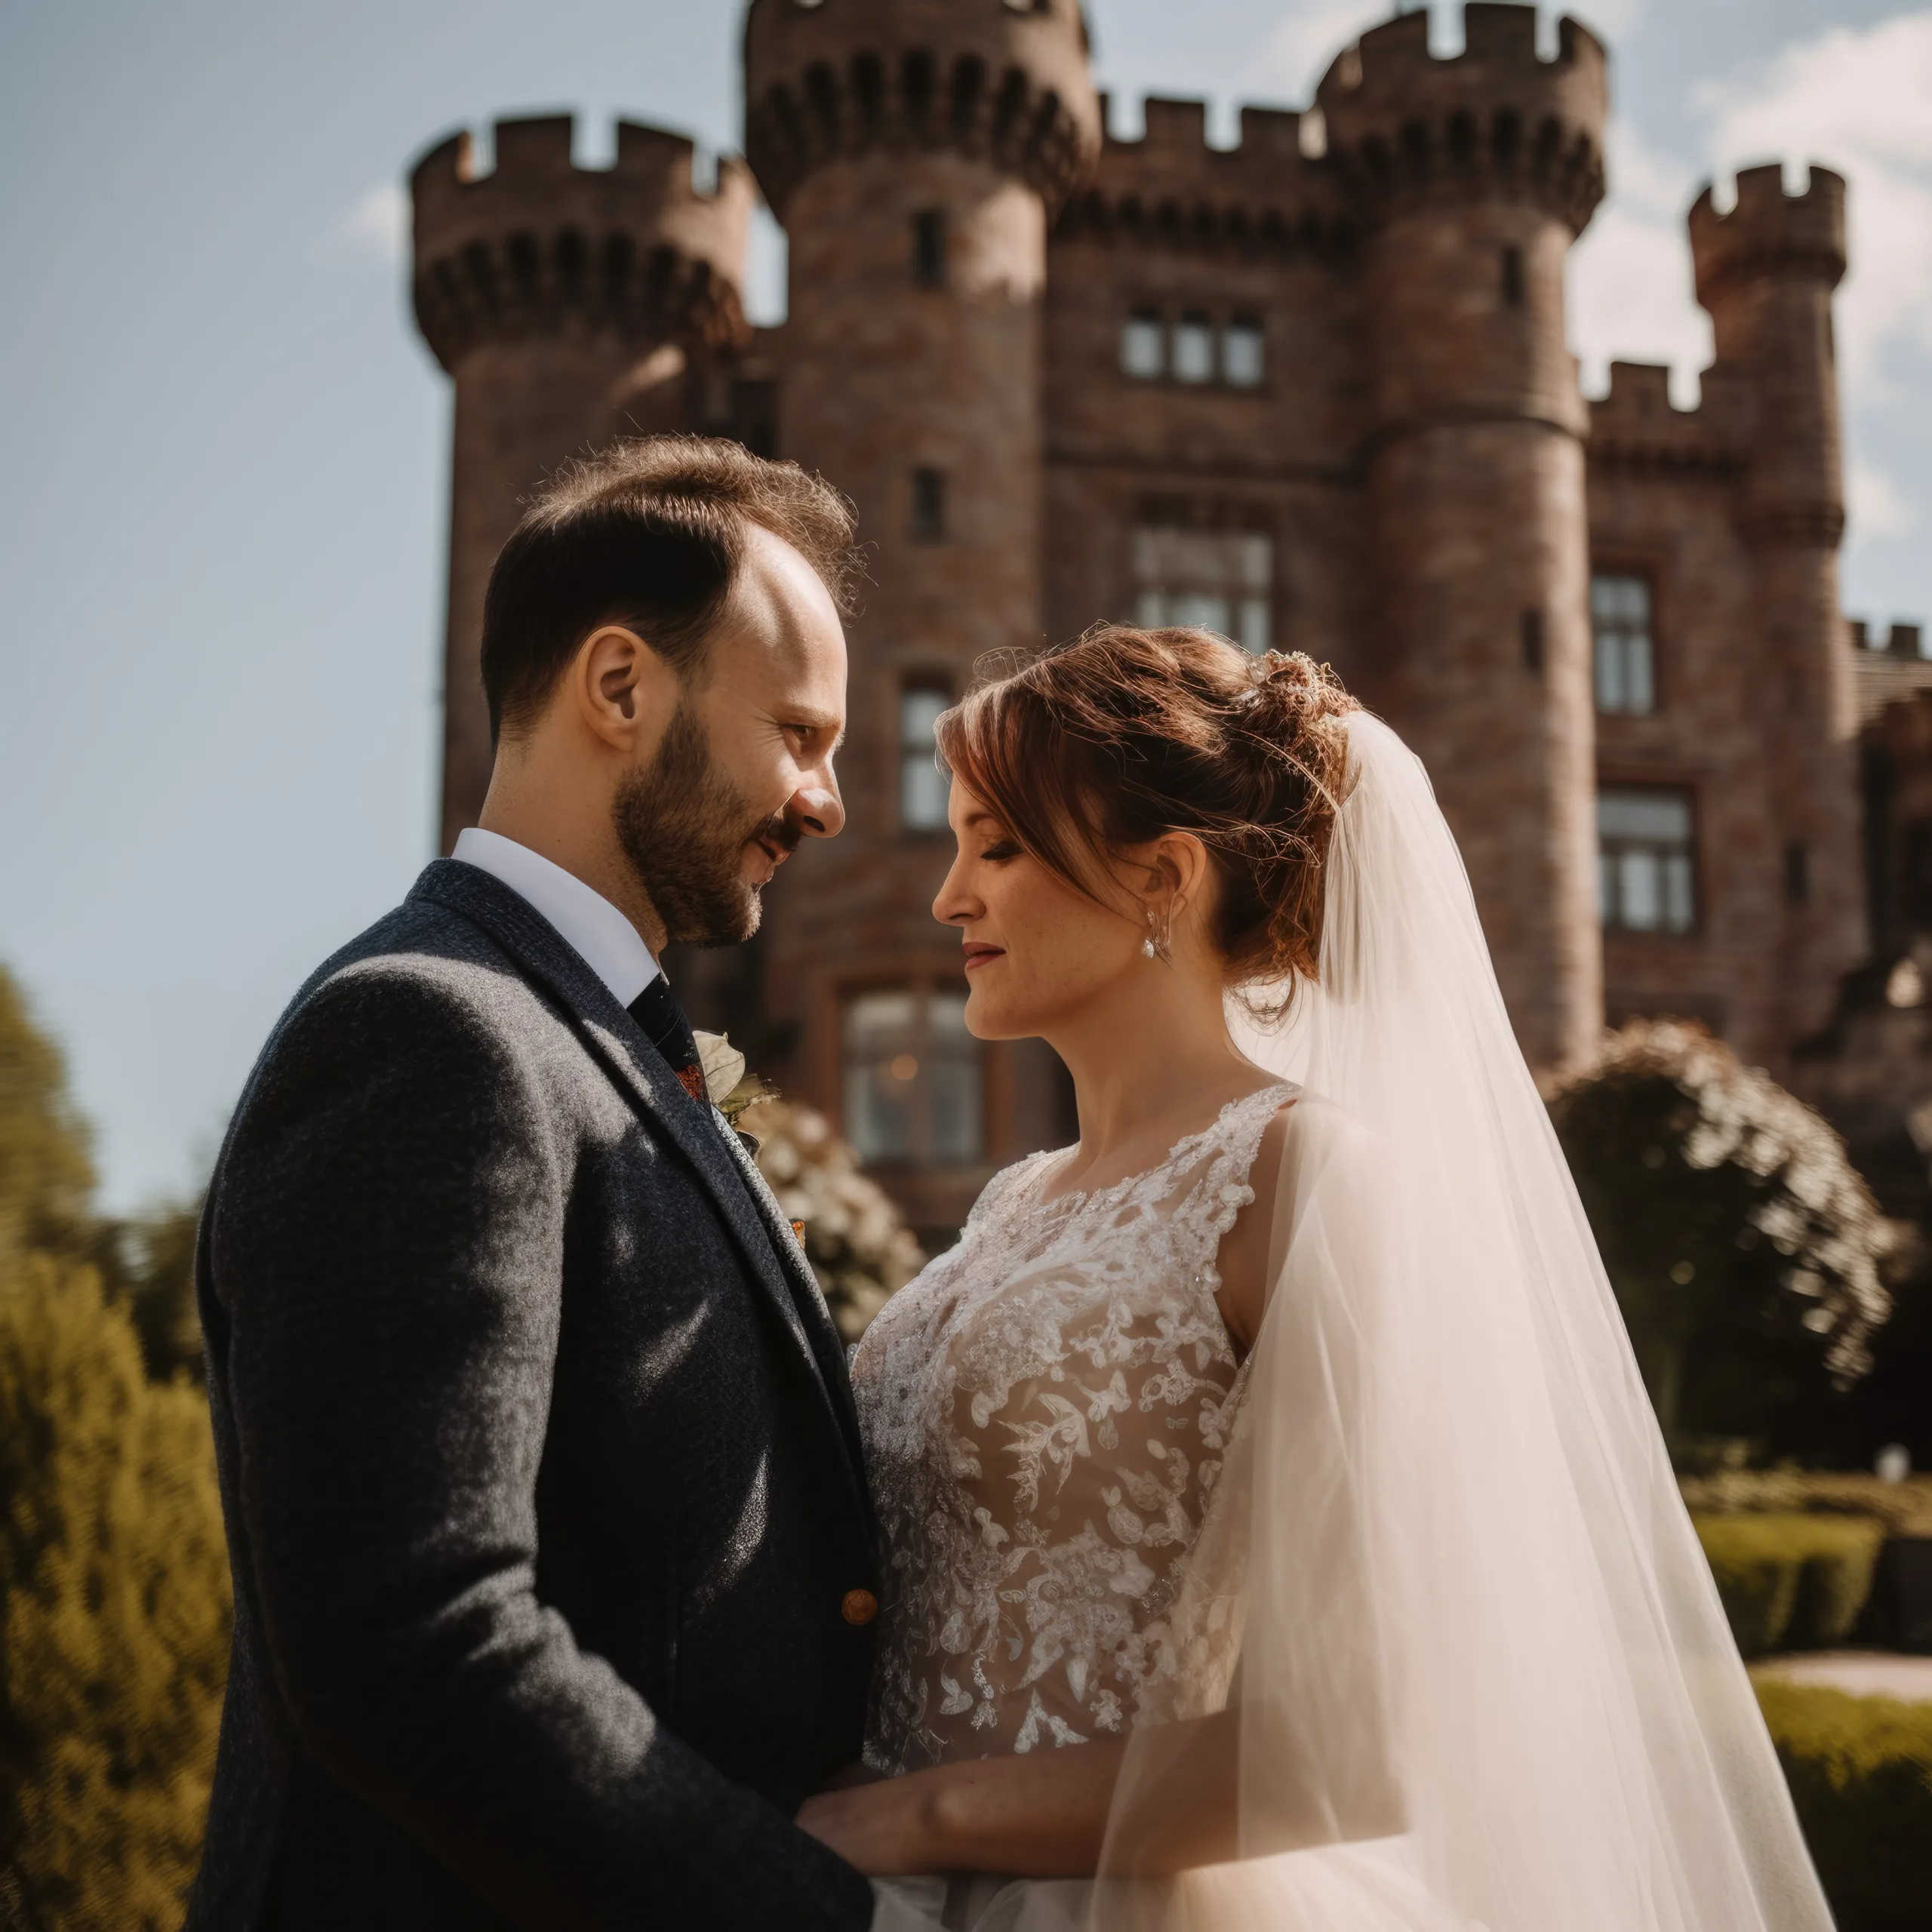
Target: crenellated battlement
<point>1769,232</point>
<point>1637,429</point>
<point>539,244</point>
<point>1406,127</point>
<point>833,79</point>
<point>1170,189</point>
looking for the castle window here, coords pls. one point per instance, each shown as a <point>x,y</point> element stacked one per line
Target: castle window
<point>1645,874</point>
<point>1511,278</point>
<point>1211,580</point>
<point>928,505</point>
<point>1243,354</point>
<point>1144,346</point>
<point>1620,623</point>
<point>1194,350</point>
<point>929,247</point>
<point>912,1089</point>
<point>923,784</point>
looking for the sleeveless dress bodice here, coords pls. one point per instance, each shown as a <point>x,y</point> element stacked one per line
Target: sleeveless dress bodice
<point>1045,1409</point>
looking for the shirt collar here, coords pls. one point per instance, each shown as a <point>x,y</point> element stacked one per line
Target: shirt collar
<point>601,936</point>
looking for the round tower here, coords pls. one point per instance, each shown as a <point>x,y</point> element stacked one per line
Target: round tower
<point>570,305</point>
<point>1766,271</point>
<point>1471,177</point>
<point>913,150</point>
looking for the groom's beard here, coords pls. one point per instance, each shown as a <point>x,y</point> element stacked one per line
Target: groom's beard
<point>684,826</point>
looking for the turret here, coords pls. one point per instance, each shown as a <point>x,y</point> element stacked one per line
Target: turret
<point>1469,179</point>
<point>913,149</point>
<point>570,305</point>
<point>1766,271</point>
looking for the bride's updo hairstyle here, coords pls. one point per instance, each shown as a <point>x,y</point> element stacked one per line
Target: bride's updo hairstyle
<point>1097,746</point>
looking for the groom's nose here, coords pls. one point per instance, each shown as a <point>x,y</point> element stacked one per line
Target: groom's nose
<point>816,811</point>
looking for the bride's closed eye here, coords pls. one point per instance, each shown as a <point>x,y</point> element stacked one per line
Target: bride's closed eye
<point>1000,851</point>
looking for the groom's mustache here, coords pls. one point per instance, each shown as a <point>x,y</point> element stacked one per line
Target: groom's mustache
<point>778,836</point>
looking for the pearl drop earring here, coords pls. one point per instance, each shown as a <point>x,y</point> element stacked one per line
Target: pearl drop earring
<point>1147,947</point>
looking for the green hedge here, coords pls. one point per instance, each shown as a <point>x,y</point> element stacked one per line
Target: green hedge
<point>1791,1582</point>
<point>1860,1772</point>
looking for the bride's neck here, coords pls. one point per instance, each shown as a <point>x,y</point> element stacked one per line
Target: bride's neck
<point>1151,1060</point>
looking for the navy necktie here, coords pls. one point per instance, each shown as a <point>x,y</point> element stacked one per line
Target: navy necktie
<point>657,1010</point>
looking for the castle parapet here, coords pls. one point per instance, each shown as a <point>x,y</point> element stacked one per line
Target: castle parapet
<point>1769,232</point>
<point>845,77</point>
<point>1495,121</point>
<point>1171,190</point>
<point>540,245</point>
<point>1635,428</point>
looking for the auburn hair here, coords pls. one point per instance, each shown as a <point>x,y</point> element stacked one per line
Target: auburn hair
<point>1100,746</point>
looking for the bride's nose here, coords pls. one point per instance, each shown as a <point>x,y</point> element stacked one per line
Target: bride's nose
<point>955,905</point>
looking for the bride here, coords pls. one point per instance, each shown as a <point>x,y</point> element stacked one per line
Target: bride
<point>1277,1534</point>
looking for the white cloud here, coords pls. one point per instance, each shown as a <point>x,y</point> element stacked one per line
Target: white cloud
<point>1876,506</point>
<point>373,230</point>
<point>1297,53</point>
<point>1860,102</point>
<point>1630,297</point>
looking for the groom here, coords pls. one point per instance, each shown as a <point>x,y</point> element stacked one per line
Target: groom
<point>552,1557</point>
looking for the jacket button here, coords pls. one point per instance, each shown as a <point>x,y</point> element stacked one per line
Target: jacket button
<point>858,1607</point>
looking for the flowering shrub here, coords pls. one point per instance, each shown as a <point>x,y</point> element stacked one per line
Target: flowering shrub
<point>1744,1249</point>
<point>859,1248</point>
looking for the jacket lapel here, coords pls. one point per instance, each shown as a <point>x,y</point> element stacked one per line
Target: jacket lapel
<point>737,1191</point>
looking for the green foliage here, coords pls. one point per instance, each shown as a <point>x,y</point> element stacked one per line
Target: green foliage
<point>114,1611</point>
<point>46,1176</point>
<point>1790,1582</point>
<point>1860,1774</point>
<point>1905,1508</point>
<point>860,1250</point>
<point>157,1282</point>
<point>114,1587</point>
<point>1744,1248</point>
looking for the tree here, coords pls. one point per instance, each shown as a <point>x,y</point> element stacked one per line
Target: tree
<point>860,1250</point>
<point>1744,1249</point>
<point>46,1176</point>
<point>114,1587</point>
<point>114,1611</point>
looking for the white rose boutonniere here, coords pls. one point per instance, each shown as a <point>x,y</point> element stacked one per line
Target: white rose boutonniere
<point>723,1065</point>
<point>727,1085</point>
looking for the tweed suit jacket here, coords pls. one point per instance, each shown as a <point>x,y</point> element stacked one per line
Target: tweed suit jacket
<point>541,1474</point>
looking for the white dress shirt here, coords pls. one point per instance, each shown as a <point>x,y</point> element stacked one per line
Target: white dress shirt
<point>594,929</point>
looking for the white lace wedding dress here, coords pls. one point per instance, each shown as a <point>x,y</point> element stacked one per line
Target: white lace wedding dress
<point>1401,1618</point>
<point>1045,1410</point>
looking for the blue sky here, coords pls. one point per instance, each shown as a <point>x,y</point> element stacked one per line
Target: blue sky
<point>222,518</point>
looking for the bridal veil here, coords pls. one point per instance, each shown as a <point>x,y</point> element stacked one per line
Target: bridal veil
<point>1452,1657</point>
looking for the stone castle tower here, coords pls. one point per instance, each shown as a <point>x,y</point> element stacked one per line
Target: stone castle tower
<point>1313,392</point>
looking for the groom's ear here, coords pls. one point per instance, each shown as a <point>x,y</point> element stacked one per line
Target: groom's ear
<point>622,690</point>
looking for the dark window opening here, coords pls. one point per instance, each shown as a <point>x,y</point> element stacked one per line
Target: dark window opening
<point>1533,641</point>
<point>928,505</point>
<point>1796,872</point>
<point>1512,277</point>
<point>929,247</point>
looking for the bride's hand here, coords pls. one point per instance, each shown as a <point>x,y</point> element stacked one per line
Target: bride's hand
<point>879,1827</point>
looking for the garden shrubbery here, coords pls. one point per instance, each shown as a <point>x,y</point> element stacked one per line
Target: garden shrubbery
<point>1791,1582</point>
<point>114,1586</point>
<point>1860,1774</point>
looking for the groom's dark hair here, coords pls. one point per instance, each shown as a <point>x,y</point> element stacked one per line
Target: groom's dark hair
<point>648,533</point>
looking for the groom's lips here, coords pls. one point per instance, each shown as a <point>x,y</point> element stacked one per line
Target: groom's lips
<point>977,954</point>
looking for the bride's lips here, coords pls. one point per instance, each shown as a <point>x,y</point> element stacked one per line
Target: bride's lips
<point>978,953</point>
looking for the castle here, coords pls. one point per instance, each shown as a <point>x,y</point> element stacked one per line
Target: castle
<point>1314,392</point>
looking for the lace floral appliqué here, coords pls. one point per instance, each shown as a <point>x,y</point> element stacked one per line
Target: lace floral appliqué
<point>1045,1409</point>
